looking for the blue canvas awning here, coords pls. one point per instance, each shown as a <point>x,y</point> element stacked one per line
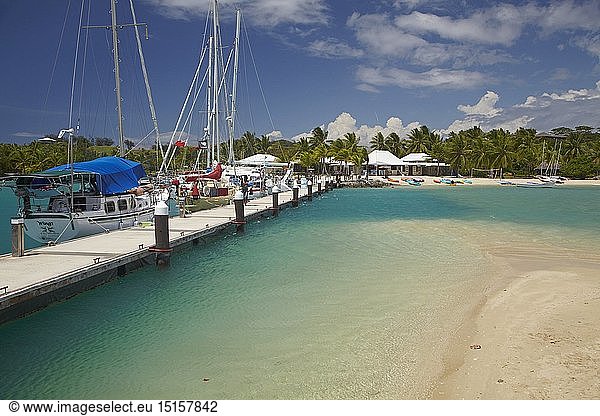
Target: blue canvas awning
<point>115,175</point>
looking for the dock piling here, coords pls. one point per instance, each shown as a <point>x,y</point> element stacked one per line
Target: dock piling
<point>181,202</point>
<point>275,192</point>
<point>240,219</point>
<point>162,246</point>
<point>295,190</point>
<point>309,185</point>
<point>18,237</point>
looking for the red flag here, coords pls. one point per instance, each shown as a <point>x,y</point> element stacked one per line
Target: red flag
<point>179,143</point>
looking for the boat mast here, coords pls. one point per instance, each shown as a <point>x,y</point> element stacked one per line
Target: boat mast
<point>231,118</point>
<point>209,103</point>
<point>115,38</point>
<point>216,45</point>
<point>159,149</point>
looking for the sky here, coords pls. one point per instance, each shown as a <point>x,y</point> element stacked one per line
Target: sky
<point>344,65</point>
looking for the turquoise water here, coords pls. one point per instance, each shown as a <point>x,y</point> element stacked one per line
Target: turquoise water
<point>353,296</point>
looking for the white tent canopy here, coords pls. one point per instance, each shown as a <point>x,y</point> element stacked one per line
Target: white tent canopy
<point>383,158</point>
<point>261,159</point>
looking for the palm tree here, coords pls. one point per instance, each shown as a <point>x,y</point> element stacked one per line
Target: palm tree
<point>283,150</point>
<point>480,152</point>
<point>394,144</point>
<point>457,150</point>
<point>417,140</point>
<point>378,142</point>
<point>308,158</point>
<point>318,137</point>
<point>248,144</point>
<point>527,149</point>
<point>263,144</point>
<point>358,158</point>
<point>574,145</point>
<point>302,145</point>
<point>318,142</point>
<point>502,152</point>
<point>594,152</point>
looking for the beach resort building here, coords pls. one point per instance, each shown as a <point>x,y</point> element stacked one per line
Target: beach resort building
<point>385,163</point>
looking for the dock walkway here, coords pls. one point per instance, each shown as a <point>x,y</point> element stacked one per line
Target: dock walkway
<point>50,273</point>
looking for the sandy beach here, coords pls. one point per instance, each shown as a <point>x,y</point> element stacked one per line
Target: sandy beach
<point>535,336</point>
<point>535,332</point>
<point>429,181</point>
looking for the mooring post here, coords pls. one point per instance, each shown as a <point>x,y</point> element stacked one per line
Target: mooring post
<point>240,219</point>
<point>309,186</point>
<point>18,236</point>
<point>162,246</point>
<point>181,207</point>
<point>295,190</point>
<point>275,192</point>
<point>319,186</point>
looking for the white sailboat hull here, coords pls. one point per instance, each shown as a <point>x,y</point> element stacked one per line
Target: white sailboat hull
<point>48,227</point>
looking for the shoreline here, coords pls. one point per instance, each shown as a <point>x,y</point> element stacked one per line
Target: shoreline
<point>429,181</point>
<point>534,335</point>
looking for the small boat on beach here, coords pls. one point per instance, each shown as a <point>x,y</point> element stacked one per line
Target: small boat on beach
<point>413,182</point>
<point>536,185</point>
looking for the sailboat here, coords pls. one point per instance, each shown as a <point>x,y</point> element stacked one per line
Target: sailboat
<point>549,171</point>
<point>205,178</point>
<point>83,198</point>
<point>216,75</point>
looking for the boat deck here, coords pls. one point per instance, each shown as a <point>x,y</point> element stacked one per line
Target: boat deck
<point>47,269</point>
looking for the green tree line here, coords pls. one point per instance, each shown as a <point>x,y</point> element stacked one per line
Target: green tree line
<point>520,153</point>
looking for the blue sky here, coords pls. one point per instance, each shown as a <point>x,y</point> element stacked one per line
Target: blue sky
<point>362,66</point>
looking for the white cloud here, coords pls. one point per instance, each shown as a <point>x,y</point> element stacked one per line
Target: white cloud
<point>485,107</point>
<point>333,48</point>
<point>436,77</point>
<point>569,15</point>
<point>590,44</point>
<point>346,123</point>
<point>275,135</point>
<point>410,4</point>
<point>266,13</point>
<point>381,37</point>
<point>499,25</point>
<point>504,23</point>
<point>367,88</point>
<point>543,112</point>
<point>530,102</point>
<point>576,95</point>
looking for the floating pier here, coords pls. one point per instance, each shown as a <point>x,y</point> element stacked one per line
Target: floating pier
<point>52,273</point>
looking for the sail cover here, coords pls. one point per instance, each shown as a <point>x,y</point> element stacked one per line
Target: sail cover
<point>115,175</point>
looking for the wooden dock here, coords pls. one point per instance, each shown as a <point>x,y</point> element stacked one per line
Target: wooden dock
<point>52,273</point>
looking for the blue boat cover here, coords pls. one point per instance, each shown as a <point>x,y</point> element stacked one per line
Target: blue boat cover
<point>116,175</point>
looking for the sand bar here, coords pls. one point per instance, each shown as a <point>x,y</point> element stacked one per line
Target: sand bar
<point>536,336</point>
